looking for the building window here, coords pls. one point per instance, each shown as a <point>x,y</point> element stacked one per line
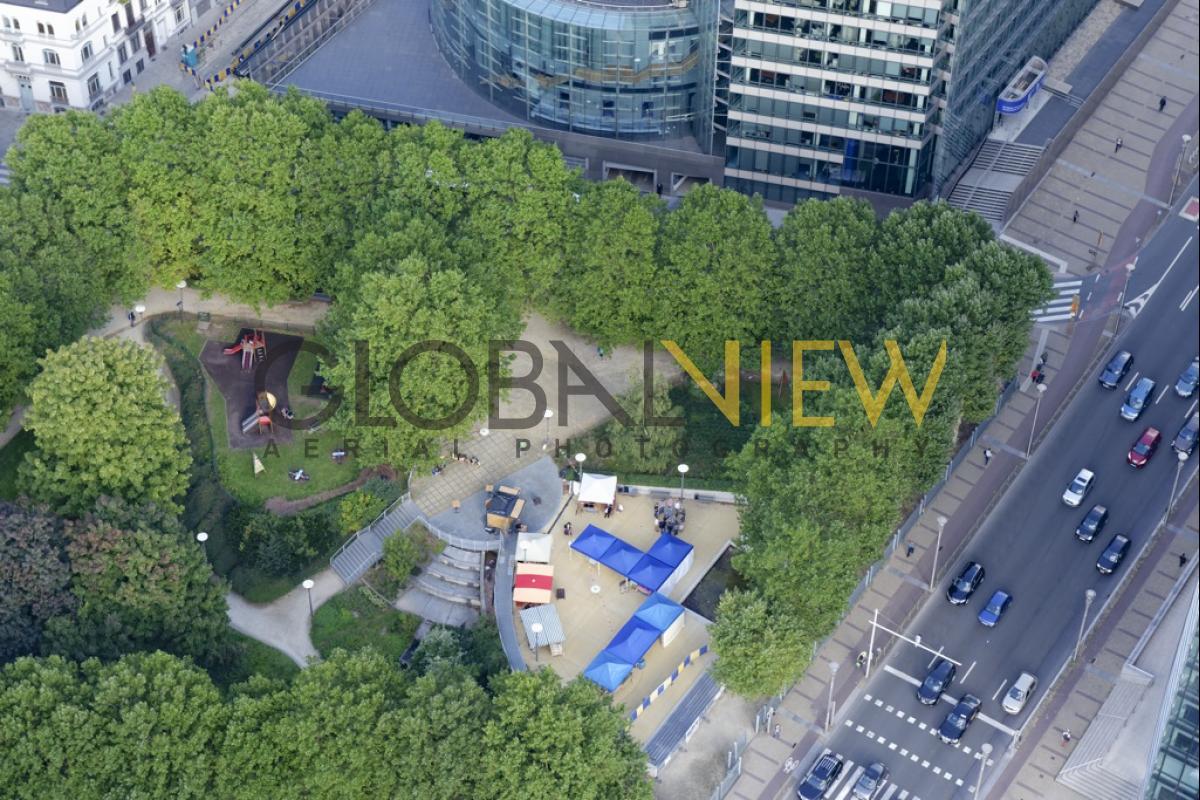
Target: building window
<point>18,54</point>
<point>116,21</point>
<point>93,86</point>
<point>51,58</point>
<point>58,92</point>
<point>87,52</point>
<point>179,13</point>
<point>122,53</point>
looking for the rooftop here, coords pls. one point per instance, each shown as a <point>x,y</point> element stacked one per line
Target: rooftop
<point>53,6</point>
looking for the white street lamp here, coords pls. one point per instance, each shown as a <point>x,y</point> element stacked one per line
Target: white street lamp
<point>1088,597</point>
<point>1179,166</point>
<point>1037,406</point>
<point>941,521</point>
<point>180,286</point>
<point>308,587</point>
<point>683,471</point>
<point>548,415</point>
<point>537,632</point>
<point>1129,268</point>
<point>985,750</point>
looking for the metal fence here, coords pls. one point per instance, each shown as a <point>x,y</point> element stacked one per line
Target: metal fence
<point>733,768</point>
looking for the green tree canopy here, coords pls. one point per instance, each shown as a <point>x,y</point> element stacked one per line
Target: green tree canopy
<point>34,578</point>
<point>102,426</point>
<point>759,651</point>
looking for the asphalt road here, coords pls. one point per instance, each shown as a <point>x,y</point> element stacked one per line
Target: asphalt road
<point>1028,548</point>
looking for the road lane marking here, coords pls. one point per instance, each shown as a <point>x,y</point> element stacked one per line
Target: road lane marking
<point>1000,726</point>
<point>859,728</point>
<point>911,720</point>
<point>933,660</point>
<point>1161,395</point>
<point>1003,683</point>
<point>1188,414</point>
<point>900,713</point>
<point>964,677</point>
<point>891,745</point>
<point>901,675</point>
<point>922,726</point>
<point>937,770</point>
<point>890,708</point>
<point>1129,385</point>
<point>966,750</point>
<point>1189,297</point>
<point>914,758</point>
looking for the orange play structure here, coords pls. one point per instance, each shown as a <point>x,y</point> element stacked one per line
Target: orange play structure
<point>253,348</point>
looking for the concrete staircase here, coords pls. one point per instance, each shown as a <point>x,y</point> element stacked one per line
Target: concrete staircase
<point>1087,770</point>
<point>669,736</point>
<point>362,550</point>
<point>998,168</point>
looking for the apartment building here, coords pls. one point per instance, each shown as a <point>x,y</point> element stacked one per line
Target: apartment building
<point>60,54</point>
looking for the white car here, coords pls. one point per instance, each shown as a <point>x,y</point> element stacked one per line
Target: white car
<point>1079,488</point>
<point>1018,694</point>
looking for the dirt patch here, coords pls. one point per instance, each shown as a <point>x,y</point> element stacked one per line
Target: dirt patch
<point>238,385</point>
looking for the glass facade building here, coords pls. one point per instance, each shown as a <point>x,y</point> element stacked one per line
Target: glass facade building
<point>639,69</point>
<point>868,95</point>
<point>1174,774</point>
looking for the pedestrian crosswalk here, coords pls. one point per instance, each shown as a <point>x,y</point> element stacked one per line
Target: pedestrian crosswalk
<point>851,772</point>
<point>1060,308</point>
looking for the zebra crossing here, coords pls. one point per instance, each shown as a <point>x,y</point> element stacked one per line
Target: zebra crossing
<point>851,772</point>
<point>1059,309</point>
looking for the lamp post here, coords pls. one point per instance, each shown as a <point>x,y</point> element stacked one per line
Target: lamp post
<point>548,415</point>
<point>683,471</point>
<point>1179,167</point>
<point>1183,457</point>
<point>1129,268</point>
<point>941,521</point>
<point>202,537</point>
<point>829,712</point>
<point>1037,406</point>
<point>537,632</point>
<point>484,431</point>
<point>579,459</point>
<point>180,286</point>
<point>985,750</point>
<point>308,587</point>
<point>1088,597</point>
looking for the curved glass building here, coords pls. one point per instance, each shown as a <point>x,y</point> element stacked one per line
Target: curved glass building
<point>623,68</point>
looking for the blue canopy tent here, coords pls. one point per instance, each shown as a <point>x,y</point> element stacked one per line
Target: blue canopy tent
<point>632,641</point>
<point>593,542</point>
<point>621,557</point>
<point>650,573</point>
<point>671,550</point>
<point>607,671</point>
<point>658,612</point>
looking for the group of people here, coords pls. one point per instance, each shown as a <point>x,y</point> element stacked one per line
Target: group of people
<point>669,518</point>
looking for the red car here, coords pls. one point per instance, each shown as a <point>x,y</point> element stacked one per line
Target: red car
<point>1143,448</point>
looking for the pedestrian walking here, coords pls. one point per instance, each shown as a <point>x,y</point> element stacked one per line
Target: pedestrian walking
<point>987,456</point>
<point>1162,103</point>
<point>132,317</point>
<point>861,661</point>
<point>908,551</point>
<point>1183,559</point>
<point>775,732</point>
<point>659,187</point>
<point>1066,738</point>
<point>1075,216</point>
<point>1120,144</point>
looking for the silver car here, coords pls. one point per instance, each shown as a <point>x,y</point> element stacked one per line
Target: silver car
<point>871,782</point>
<point>1018,694</point>
<point>1080,486</point>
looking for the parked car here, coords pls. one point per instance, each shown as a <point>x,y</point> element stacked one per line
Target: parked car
<point>962,587</point>
<point>871,782</point>
<point>1092,524</point>
<point>1080,486</point>
<point>1143,449</point>
<point>1114,371</point>
<point>1186,385</point>
<point>940,676</point>
<point>956,722</point>
<point>1113,555</point>
<point>1018,694</point>
<point>1137,399</point>
<point>995,608</point>
<point>1185,440</point>
<point>821,778</point>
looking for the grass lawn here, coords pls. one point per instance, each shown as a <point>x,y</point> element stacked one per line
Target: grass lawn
<point>256,658</point>
<point>11,457</point>
<point>352,621</point>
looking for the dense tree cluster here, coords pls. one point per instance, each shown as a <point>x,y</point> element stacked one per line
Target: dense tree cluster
<point>116,581</point>
<point>353,726</point>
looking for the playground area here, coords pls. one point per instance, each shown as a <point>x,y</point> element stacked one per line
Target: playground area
<point>253,416</point>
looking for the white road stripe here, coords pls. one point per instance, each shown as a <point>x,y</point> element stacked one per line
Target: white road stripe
<point>1188,414</point>
<point>1054,318</point>
<point>964,677</point>
<point>1000,726</point>
<point>901,675</point>
<point>889,791</point>
<point>1188,298</point>
<point>891,745</point>
<point>1132,380</point>
<point>1161,395</point>
<point>1001,689</point>
<point>851,780</point>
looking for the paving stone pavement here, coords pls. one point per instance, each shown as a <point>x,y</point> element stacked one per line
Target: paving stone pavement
<point>1105,184</point>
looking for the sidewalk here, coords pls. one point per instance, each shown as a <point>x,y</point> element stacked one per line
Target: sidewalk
<point>1119,194</point>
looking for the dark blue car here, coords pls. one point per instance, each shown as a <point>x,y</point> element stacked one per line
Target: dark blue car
<point>1115,370</point>
<point>995,608</point>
